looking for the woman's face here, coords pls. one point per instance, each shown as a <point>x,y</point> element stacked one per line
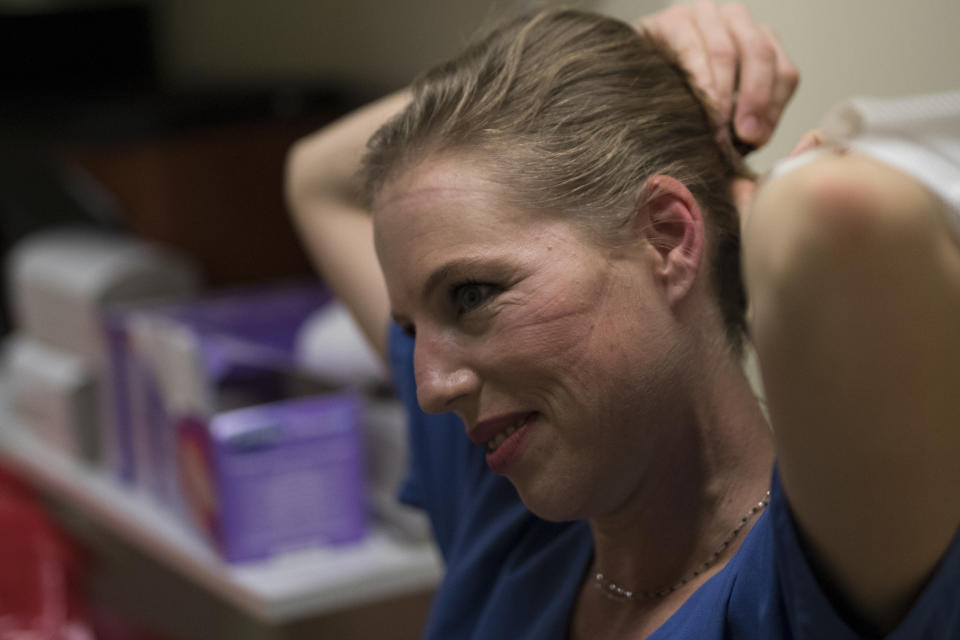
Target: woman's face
<point>553,350</point>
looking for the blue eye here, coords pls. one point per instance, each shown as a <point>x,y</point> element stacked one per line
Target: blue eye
<point>469,296</point>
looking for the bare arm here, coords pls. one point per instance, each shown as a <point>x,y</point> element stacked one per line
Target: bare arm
<point>331,220</point>
<point>854,283</point>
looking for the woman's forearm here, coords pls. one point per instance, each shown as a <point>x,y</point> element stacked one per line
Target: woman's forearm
<point>327,210</point>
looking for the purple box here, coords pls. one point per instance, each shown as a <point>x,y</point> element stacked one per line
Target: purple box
<point>218,421</point>
<point>198,358</point>
<point>276,477</point>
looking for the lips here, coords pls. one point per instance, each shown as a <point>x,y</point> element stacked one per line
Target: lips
<point>508,446</point>
<point>494,431</point>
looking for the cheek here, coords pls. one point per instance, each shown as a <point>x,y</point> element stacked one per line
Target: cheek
<point>558,337</point>
<point>550,326</point>
<point>605,352</point>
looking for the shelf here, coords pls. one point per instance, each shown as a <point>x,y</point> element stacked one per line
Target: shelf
<point>282,589</point>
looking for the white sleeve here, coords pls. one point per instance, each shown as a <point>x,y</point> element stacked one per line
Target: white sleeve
<point>919,135</point>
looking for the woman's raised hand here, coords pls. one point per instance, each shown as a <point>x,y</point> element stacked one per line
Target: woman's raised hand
<point>740,65</point>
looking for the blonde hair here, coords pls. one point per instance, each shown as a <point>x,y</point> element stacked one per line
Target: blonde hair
<point>574,111</point>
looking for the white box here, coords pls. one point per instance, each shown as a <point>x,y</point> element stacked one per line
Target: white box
<point>60,280</point>
<point>54,394</point>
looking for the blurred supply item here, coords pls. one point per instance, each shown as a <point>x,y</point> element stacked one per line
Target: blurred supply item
<point>229,432</point>
<point>61,279</point>
<point>277,477</point>
<point>54,394</point>
<point>165,384</point>
<point>331,345</point>
<point>39,192</point>
<point>42,581</point>
<point>191,377</point>
<point>193,360</point>
<point>214,415</point>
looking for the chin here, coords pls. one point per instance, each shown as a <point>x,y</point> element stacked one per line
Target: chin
<point>554,504</point>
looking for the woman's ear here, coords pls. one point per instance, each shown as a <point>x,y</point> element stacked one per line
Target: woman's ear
<point>671,222</point>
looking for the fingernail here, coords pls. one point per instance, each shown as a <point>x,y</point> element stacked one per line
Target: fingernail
<point>750,128</point>
<point>807,142</point>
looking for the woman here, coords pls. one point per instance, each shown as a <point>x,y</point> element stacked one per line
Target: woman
<point>553,215</point>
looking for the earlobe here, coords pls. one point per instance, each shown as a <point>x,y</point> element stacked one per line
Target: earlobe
<point>672,224</point>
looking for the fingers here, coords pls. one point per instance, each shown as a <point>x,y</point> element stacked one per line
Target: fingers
<point>738,64</point>
<point>695,33</point>
<point>767,76</point>
<point>720,52</point>
<point>758,64</point>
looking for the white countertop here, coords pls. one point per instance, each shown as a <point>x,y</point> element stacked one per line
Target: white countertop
<point>281,589</point>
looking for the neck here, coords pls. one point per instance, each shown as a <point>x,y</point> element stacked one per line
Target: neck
<point>712,468</point>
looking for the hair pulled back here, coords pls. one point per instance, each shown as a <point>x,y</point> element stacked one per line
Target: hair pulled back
<point>574,111</point>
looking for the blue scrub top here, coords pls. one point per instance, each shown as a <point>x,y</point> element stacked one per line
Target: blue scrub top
<point>512,575</point>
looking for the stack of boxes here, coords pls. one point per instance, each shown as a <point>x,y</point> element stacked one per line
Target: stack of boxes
<point>59,282</point>
<point>202,403</point>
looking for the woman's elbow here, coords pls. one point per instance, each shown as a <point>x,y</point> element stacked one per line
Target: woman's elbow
<point>835,224</point>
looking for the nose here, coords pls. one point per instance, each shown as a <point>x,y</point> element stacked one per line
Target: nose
<point>445,381</point>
